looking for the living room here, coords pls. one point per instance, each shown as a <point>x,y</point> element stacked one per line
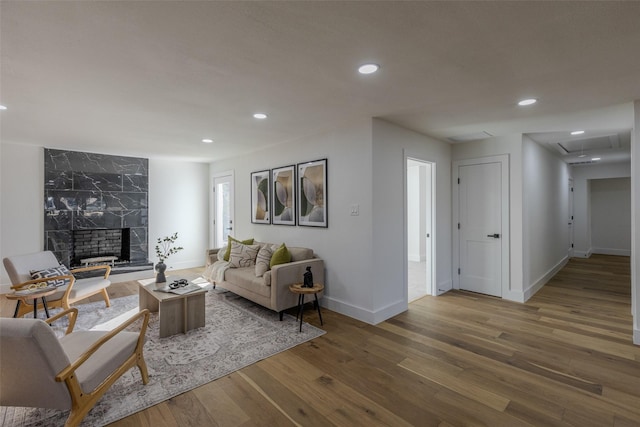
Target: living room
<point>153,80</point>
<point>364,253</point>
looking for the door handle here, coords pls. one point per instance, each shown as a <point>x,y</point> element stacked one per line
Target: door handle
<point>495,236</point>
<point>229,228</point>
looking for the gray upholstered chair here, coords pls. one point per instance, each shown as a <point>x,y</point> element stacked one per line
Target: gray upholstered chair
<point>73,372</point>
<point>20,267</point>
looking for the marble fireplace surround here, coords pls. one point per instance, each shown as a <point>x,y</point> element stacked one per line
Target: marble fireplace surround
<point>104,193</point>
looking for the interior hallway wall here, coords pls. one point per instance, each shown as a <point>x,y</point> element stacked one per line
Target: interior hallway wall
<point>611,216</point>
<point>583,176</point>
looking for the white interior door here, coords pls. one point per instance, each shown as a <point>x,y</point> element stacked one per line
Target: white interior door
<point>223,209</point>
<point>480,215</point>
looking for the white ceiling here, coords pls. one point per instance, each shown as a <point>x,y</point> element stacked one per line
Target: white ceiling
<point>152,78</point>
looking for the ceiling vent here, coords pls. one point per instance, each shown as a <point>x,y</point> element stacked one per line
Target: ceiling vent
<point>470,137</point>
<point>580,162</point>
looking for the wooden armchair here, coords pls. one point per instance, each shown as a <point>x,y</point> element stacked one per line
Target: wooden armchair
<point>19,269</point>
<point>73,372</point>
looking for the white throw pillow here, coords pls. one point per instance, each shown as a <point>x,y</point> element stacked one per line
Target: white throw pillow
<point>263,259</point>
<point>242,255</point>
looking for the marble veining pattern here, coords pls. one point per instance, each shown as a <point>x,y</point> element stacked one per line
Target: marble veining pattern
<point>94,191</point>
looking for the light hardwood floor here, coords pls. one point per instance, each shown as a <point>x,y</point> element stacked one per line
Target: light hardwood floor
<point>564,358</point>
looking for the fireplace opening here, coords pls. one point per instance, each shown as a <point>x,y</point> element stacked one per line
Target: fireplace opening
<point>101,246</point>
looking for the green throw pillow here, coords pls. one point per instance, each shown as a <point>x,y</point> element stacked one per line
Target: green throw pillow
<point>280,256</point>
<point>228,252</point>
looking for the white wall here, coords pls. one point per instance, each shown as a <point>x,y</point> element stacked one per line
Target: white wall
<point>22,195</point>
<point>170,183</point>
<point>179,202</point>
<point>510,145</point>
<point>346,245</point>
<point>363,254</point>
<point>611,216</point>
<point>545,215</point>
<point>583,177</point>
<point>391,144</point>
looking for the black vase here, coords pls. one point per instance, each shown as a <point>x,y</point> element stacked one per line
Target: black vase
<point>308,279</point>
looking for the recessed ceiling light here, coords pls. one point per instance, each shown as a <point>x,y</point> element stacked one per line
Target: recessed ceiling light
<point>577,132</point>
<point>207,140</point>
<point>595,159</point>
<point>368,68</point>
<point>529,101</point>
<point>2,107</point>
<point>260,116</point>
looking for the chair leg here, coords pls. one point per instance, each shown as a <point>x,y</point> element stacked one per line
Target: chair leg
<point>142,366</point>
<point>105,295</point>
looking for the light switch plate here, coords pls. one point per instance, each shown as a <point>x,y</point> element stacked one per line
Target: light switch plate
<point>355,210</point>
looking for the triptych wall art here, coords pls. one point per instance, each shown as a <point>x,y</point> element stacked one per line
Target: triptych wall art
<point>291,194</point>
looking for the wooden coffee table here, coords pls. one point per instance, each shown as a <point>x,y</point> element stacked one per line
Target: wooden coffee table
<point>177,313</point>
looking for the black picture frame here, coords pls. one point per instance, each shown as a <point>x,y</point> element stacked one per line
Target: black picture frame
<point>261,197</point>
<point>312,193</point>
<point>283,200</point>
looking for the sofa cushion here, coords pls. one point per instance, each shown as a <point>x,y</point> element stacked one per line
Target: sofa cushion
<point>263,260</point>
<point>280,256</point>
<point>266,278</point>
<point>231,239</point>
<point>242,255</point>
<point>245,278</point>
<point>300,254</point>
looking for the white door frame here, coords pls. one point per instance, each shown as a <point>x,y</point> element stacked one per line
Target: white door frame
<point>432,239</point>
<point>505,238</point>
<point>212,204</point>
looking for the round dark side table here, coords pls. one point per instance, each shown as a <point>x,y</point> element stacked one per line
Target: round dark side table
<point>22,298</point>
<point>297,288</point>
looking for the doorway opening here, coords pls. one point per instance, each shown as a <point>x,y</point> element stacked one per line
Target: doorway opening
<point>420,240</point>
<point>222,209</point>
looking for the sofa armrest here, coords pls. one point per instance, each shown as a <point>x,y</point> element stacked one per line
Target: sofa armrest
<point>283,275</point>
<point>211,256</point>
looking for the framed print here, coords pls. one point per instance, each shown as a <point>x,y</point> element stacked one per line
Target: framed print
<point>260,197</point>
<point>312,193</point>
<point>284,189</point>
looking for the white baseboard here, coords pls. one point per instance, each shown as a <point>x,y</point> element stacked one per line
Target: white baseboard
<point>611,251</point>
<point>538,284</point>
<point>445,286</point>
<point>636,337</point>
<point>364,315</point>
<point>582,254</point>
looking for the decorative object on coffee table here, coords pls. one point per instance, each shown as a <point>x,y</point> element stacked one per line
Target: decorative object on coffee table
<point>164,248</point>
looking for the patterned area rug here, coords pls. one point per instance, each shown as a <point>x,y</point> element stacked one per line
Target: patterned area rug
<point>237,334</point>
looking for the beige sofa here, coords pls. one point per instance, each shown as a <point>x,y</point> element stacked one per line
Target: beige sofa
<point>272,289</point>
